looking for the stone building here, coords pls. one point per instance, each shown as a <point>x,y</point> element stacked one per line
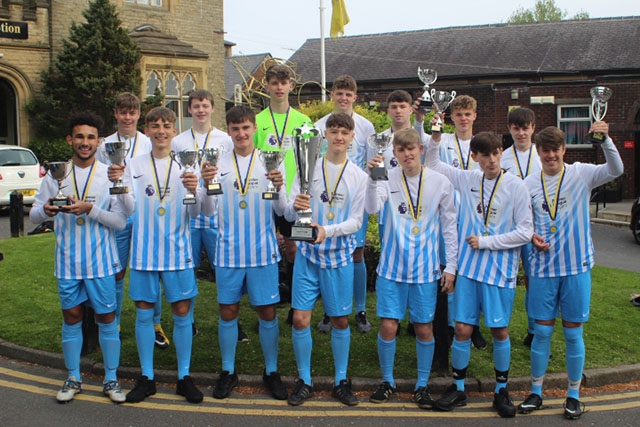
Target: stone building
<point>181,41</point>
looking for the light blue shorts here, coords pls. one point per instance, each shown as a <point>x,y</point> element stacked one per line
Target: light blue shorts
<point>261,283</point>
<point>473,298</point>
<point>100,292</point>
<point>334,284</point>
<point>178,285</point>
<point>569,295</point>
<point>393,298</point>
<point>206,237</point>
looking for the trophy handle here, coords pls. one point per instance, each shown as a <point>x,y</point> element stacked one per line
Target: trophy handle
<point>433,92</point>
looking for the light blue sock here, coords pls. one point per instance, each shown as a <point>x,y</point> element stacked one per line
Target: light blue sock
<point>72,347</point>
<point>119,300</point>
<point>269,338</point>
<point>110,344</point>
<point>302,345</point>
<point>501,359</point>
<point>540,351</point>
<point>460,356</point>
<point>575,359</point>
<point>145,340</point>
<point>157,310</point>
<point>360,285</point>
<point>228,340</point>
<point>183,340</point>
<point>424,352</point>
<point>340,344</point>
<point>387,356</point>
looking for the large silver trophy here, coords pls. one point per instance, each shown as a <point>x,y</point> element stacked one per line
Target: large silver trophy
<point>212,154</point>
<point>599,97</point>
<point>441,100</point>
<point>187,159</point>
<point>306,144</point>
<point>117,151</point>
<point>379,142</point>
<point>58,171</point>
<point>428,77</point>
<point>271,160</point>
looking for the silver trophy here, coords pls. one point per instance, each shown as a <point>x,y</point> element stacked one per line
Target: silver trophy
<point>306,144</point>
<point>212,155</point>
<point>58,171</point>
<point>599,97</point>
<point>427,76</point>
<point>187,159</point>
<point>379,142</point>
<point>441,100</point>
<point>117,151</point>
<point>271,160</point>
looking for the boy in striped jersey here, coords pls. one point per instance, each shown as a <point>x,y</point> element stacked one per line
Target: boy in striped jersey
<point>86,258</point>
<point>202,135</point>
<point>562,256</point>
<point>494,222</point>
<point>161,249</point>
<point>325,267</point>
<point>247,252</point>
<point>419,206</point>
<point>522,159</point>
<point>344,94</point>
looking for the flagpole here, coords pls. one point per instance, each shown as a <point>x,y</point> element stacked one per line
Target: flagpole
<point>323,73</point>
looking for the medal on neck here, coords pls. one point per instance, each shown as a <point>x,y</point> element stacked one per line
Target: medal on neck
<point>465,164</point>
<point>161,210</point>
<point>82,196</point>
<point>515,154</point>
<point>417,207</point>
<point>204,145</point>
<point>331,194</point>
<point>552,205</point>
<point>280,135</point>
<point>486,212</point>
<point>243,186</point>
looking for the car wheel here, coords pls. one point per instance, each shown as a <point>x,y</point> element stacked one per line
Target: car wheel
<point>635,227</point>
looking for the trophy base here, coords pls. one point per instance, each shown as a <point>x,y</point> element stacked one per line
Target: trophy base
<point>270,196</point>
<point>60,202</point>
<point>379,174</point>
<point>189,201</point>
<point>118,190</point>
<point>595,137</point>
<point>213,189</point>
<point>304,233</point>
<point>426,105</point>
<point>436,128</point>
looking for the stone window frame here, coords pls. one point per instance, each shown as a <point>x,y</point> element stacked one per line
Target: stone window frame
<point>175,86</point>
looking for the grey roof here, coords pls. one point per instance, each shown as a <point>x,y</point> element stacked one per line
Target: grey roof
<point>154,42</point>
<point>237,68</point>
<point>479,51</point>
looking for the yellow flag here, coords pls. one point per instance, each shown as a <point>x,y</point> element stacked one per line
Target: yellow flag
<point>339,18</point>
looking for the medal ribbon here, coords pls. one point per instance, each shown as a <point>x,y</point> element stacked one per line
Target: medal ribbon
<point>415,209</point>
<point>331,195</point>
<point>157,180</point>
<point>243,186</point>
<point>552,204</point>
<point>485,211</point>
<point>515,154</point>
<point>195,144</point>
<point>280,135</point>
<point>87,184</point>
<point>465,165</point>
<point>134,145</point>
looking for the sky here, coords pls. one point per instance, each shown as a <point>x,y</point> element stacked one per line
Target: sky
<point>280,27</point>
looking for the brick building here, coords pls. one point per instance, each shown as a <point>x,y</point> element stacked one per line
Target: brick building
<point>549,67</point>
<point>182,45</point>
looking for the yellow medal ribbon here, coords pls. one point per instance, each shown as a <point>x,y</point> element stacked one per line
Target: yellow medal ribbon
<point>243,187</point>
<point>552,205</point>
<point>157,181</point>
<point>486,212</point>
<point>87,184</point>
<point>134,146</point>
<point>415,208</point>
<point>280,135</point>
<point>515,154</point>
<point>331,194</point>
<point>195,144</point>
<point>469,162</point>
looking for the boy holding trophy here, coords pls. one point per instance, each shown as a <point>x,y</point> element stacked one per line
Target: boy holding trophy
<point>324,266</point>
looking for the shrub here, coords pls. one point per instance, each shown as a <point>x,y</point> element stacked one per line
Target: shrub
<point>57,150</point>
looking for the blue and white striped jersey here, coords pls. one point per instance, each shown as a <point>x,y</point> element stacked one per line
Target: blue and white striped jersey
<point>85,244</point>
<point>186,141</point>
<point>521,164</point>
<point>246,229</point>
<point>346,212</point>
<point>570,245</point>
<point>410,247</point>
<point>363,130</point>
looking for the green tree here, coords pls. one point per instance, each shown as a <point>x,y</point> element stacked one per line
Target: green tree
<point>98,61</point>
<point>543,10</point>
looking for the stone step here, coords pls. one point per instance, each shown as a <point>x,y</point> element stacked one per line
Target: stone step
<point>615,215</point>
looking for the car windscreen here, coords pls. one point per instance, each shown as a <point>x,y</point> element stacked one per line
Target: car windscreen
<point>17,158</point>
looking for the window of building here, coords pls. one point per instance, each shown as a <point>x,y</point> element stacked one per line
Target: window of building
<point>575,121</point>
<point>147,2</point>
<point>176,87</point>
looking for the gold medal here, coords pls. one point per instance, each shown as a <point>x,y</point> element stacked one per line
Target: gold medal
<point>161,211</point>
<point>242,204</point>
<point>554,228</point>
<point>485,234</point>
<point>80,221</point>
<point>331,215</point>
<point>415,230</point>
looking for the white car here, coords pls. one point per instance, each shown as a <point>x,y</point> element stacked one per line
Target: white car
<point>19,170</point>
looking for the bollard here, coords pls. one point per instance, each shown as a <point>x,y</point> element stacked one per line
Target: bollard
<point>90,340</point>
<point>440,362</point>
<point>16,212</point>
